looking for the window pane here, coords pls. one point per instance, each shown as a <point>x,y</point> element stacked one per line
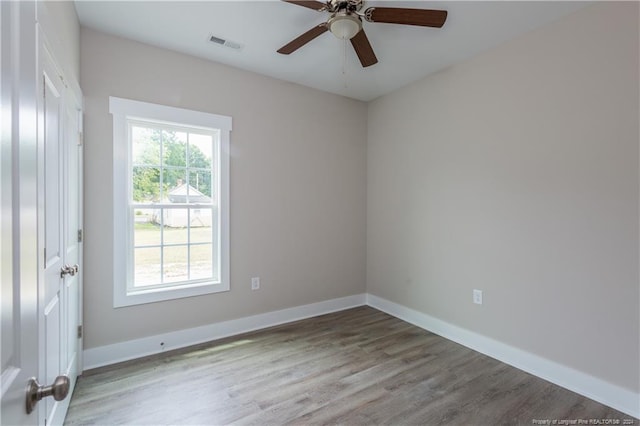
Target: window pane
<point>175,264</point>
<point>201,261</point>
<point>174,148</point>
<point>201,221</point>
<point>175,226</point>
<point>200,151</point>
<point>146,184</point>
<point>175,185</point>
<point>145,144</point>
<point>146,227</point>
<point>200,191</point>
<point>147,266</point>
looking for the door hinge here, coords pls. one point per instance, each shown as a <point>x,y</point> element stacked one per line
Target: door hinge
<point>79,235</point>
<point>79,332</point>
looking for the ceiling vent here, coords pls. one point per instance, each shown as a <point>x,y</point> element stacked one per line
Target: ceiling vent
<point>226,43</point>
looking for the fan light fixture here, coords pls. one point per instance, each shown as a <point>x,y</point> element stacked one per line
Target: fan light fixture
<point>344,26</point>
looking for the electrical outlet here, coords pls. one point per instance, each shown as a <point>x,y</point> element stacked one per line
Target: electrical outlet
<point>477,297</point>
<point>255,283</point>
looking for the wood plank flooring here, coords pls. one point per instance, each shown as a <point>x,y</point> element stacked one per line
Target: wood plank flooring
<point>355,367</point>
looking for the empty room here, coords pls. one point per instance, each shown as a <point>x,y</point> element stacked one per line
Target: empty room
<point>350,212</point>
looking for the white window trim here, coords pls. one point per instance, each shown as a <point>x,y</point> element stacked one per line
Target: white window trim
<point>123,109</point>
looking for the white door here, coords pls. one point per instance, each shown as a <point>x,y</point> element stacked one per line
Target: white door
<point>60,218</point>
<point>18,210</point>
<point>40,208</point>
<point>72,214</point>
<point>52,303</point>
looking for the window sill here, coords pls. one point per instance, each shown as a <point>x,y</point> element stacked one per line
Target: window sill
<point>139,297</point>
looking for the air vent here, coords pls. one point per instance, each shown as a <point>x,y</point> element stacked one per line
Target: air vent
<point>226,43</point>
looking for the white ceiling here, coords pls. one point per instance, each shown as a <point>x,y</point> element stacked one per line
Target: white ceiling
<point>405,53</point>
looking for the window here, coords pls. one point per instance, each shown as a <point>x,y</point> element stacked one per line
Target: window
<point>171,202</point>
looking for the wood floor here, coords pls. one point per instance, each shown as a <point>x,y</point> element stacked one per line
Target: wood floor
<point>353,367</point>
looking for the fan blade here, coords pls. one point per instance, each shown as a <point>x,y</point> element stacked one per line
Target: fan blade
<point>395,15</point>
<point>305,38</point>
<point>311,4</point>
<point>363,49</point>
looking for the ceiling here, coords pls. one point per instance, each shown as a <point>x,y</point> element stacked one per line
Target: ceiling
<point>405,53</point>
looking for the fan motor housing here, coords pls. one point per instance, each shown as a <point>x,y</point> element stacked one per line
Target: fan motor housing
<point>347,5</point>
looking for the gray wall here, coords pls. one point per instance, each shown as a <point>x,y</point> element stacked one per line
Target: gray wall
<point>517,173</point>
<point>298,187</point>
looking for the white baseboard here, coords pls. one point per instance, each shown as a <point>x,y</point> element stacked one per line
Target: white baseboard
<point>614,396</point>
<point>591,387</point>
<point>132,349</point>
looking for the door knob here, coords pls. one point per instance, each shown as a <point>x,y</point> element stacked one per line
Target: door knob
<point>66,270</point>
<point>35,391</point>
<point>69,270</point>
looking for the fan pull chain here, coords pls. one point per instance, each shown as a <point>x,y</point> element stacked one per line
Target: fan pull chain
<point>344,62</point>
<point>344,56</point>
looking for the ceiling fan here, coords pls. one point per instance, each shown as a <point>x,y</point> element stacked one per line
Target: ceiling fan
<point>345,23</point>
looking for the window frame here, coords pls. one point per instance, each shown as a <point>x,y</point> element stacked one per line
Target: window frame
<point>122,111</point>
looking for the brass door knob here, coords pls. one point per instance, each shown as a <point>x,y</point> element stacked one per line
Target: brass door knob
<point>35,391</point>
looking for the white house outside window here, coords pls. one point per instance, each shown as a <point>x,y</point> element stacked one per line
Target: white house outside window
<point>171,192</point>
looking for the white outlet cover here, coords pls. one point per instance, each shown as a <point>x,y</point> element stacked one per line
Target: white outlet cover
<point>477,297</point>
<point>255,283</point>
